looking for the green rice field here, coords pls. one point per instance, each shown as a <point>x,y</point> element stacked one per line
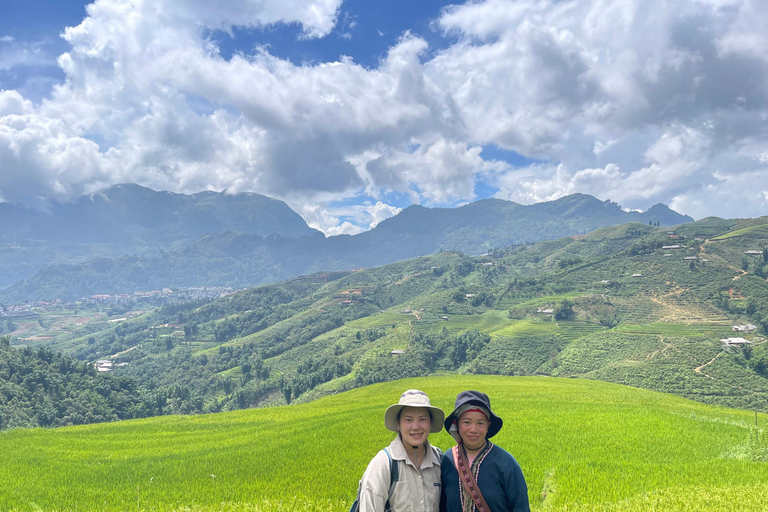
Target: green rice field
<point>583,446</point>
<point>760,230</point>
<point>668,329</point>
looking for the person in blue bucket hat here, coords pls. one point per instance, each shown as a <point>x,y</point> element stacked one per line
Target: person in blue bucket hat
<point>477,475</point>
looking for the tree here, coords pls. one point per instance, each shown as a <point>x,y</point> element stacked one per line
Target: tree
<point>563,310</point>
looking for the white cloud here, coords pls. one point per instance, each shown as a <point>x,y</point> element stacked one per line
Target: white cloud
<point>329,219</point>
<point>363,217</point>
<point>739,195</point>
<point>637,101</point>
<point>633,101</point>
<point>380,211</point>
<point>443,171</point>
<point>40,158</point>
<point>15,54</point>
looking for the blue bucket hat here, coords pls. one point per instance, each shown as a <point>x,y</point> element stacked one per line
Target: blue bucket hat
<point>481,400</point>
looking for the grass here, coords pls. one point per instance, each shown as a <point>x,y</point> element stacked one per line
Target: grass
<point>511,301</point>
<point>668,329</point>
<point>488,322</point>
<point>527,328</point>
<point>589,445</point>
<point>761,230</point>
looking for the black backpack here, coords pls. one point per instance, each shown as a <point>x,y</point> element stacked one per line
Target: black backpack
<point>394,475</point>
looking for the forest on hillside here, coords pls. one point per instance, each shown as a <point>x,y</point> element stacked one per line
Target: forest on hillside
<point>616,305</point>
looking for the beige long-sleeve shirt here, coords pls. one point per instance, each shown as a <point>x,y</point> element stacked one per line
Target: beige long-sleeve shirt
<point>417,489</point>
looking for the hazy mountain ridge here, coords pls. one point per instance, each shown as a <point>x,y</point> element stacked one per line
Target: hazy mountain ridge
<point>241,259</point>
<point>114,214</point>
<point>130,220</point>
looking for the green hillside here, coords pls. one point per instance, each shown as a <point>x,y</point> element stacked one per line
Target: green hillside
<point>630,304</point>
<point>583,445</point>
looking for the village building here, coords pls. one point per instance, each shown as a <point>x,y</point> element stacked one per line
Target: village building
<point>103,365</point>
<point>735,342</point>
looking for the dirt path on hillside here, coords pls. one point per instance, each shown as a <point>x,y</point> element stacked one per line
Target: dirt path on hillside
<point>407,278</point>
<point>677,292</point>
<point>743,272</point>
<point>414,312</point>
<point>671,311</point>
<point>698,369</point>
<point>115,356</point>
<point>703,252</point>
<point>662,350</point>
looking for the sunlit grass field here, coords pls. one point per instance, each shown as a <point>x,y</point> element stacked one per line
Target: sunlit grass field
<point>761,229</point>
<point>583,445</point>
<point>669,329</point>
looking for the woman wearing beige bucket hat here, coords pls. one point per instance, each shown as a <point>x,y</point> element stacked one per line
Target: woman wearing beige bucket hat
<point>410,458</point>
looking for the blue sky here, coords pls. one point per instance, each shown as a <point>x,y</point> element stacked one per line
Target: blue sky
<point>352,110</point>
<point>365,31</point>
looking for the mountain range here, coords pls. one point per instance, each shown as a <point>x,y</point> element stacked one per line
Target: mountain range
<point>130,219</point>
<point>127,238</point>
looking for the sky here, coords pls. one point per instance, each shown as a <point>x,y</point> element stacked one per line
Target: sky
<point>352,110</point>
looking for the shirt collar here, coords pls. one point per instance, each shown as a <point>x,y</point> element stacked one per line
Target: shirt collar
<point>397,448</point>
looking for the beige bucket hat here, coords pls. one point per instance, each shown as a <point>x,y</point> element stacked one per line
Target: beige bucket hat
<point>413,398</point>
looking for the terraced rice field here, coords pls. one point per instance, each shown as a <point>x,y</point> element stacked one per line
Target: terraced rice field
<point>672,307</point>
<point>669,329</point>
<point>583,446</point>
<point>575,330</point>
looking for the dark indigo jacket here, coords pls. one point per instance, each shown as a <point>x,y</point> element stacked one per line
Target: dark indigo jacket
<point>500,480</point>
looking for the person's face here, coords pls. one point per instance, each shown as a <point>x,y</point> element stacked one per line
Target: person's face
<point>473,427</point>
<point>415,424</point>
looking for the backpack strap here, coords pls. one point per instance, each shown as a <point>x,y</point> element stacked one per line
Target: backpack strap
<point>394,475</point>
